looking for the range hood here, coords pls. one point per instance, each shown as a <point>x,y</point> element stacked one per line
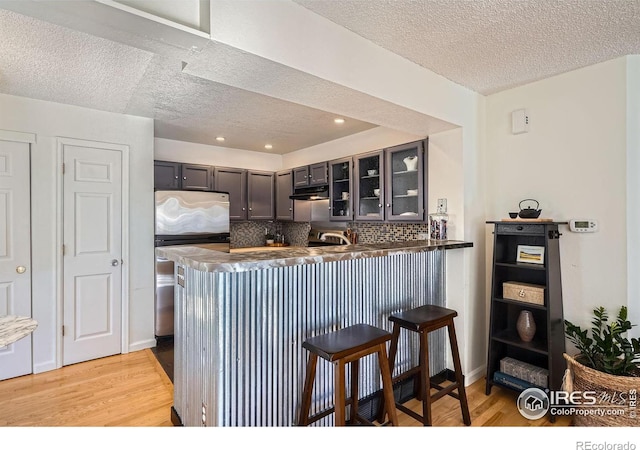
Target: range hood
<point>311,193</point>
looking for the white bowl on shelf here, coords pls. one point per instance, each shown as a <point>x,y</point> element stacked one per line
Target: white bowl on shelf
<point>412,192</point>
<point>372,172</point>
<point>376,192</point>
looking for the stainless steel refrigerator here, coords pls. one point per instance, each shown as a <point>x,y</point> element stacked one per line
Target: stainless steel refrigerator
<point>185,218</point>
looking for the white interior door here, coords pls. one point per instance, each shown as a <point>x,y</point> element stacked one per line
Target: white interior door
<point>15,252</point>
<point>92,236</point>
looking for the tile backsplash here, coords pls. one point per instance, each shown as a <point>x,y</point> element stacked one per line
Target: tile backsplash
<point>252,234</point>
<point>374,232</point>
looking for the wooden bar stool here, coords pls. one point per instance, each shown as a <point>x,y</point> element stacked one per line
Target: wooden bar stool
<point>344,346</point>
<point>423,320</point>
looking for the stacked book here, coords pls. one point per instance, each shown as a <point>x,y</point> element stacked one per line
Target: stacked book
<point>511,381</point>
<point>537,376</point>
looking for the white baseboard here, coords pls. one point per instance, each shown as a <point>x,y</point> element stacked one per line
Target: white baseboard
<point>141,345</point>
<point>474,375</point>
<point>45,367</point>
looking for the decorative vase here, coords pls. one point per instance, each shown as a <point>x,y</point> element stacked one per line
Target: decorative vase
<point>411,162</point>
<point>526,326</point>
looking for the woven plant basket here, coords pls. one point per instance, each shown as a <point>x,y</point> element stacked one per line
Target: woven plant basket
<point>614,393</point>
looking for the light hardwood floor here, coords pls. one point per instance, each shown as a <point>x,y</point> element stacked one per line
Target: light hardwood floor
<point>133,391</point>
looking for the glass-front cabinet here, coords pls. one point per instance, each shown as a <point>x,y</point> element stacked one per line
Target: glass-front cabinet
<point>369,186</point>
<point>405,194</point>
<point>340,189</point>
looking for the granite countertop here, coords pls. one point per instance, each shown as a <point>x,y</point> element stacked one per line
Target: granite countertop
<point>14,328</point>
<point>201,258</point>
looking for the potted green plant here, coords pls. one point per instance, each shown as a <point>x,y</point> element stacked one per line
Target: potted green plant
<point>608,367</point>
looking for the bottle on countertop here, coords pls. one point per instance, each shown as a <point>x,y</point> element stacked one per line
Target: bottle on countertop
<point>352,235</point>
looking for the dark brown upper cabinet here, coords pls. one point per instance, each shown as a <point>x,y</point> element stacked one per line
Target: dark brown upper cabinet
<point>311,175</point>
<point>196,177</point>
<point>261,195</point>
<point>369,187</point>
<point>405,186</point>
<point>233,181</point>
<point>340,199</point>
<point>166,175</point>
<point>175,175</point>
<point>284,188</point>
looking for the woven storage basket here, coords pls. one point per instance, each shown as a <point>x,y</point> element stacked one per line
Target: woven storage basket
<point>583,378</point>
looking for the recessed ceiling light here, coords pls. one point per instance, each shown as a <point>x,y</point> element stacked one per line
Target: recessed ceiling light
<point>220,139</point>
<point>339,120</point>
<point>268,146</point>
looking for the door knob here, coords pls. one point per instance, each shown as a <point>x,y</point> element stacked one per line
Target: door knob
<point>21,269</point>
<point>114,262</point>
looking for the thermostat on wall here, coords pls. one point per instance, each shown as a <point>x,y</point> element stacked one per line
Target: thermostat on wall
<point>583,225</point>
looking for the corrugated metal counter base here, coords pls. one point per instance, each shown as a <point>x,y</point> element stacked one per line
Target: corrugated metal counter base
<point>239,359</point>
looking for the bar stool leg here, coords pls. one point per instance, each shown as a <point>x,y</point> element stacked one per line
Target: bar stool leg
<point>466,417</point>
<point>355,371</point>
<point>393,350</point>
<point>339,394</point>
<point>425,379</point>
<point>387,385</point>
<point>310,376</point>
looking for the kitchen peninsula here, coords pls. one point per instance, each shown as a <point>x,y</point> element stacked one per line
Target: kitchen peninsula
<point>241,320</point>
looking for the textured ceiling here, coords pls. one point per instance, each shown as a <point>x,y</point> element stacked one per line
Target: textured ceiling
<point>492,45</point>
<point>50,62</point>
<point>68,52</point>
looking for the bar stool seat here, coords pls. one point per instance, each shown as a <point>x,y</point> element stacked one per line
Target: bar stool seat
<point>347,345</point>
<point>423,320</point>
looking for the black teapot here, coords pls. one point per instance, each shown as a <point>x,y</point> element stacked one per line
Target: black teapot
<point>528,212</point>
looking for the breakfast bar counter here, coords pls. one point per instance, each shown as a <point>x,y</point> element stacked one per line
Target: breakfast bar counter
<point>241,318</point>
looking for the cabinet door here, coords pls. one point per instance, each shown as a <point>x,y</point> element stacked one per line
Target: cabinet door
<point>340,199</point>
<point>284,188</point>
<point>196,177</point>
<point>233,181</point>
<point>301,176</point>
<point>166,175</point>
<point>318,174</point>
<point>261,195</point>
<point>405,193</point>
<point>369,186</point>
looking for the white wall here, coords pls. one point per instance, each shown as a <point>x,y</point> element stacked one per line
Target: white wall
<point>179,151</point>
<point>49,121</point>
<point>633,191</point>
<point>573,161</point>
